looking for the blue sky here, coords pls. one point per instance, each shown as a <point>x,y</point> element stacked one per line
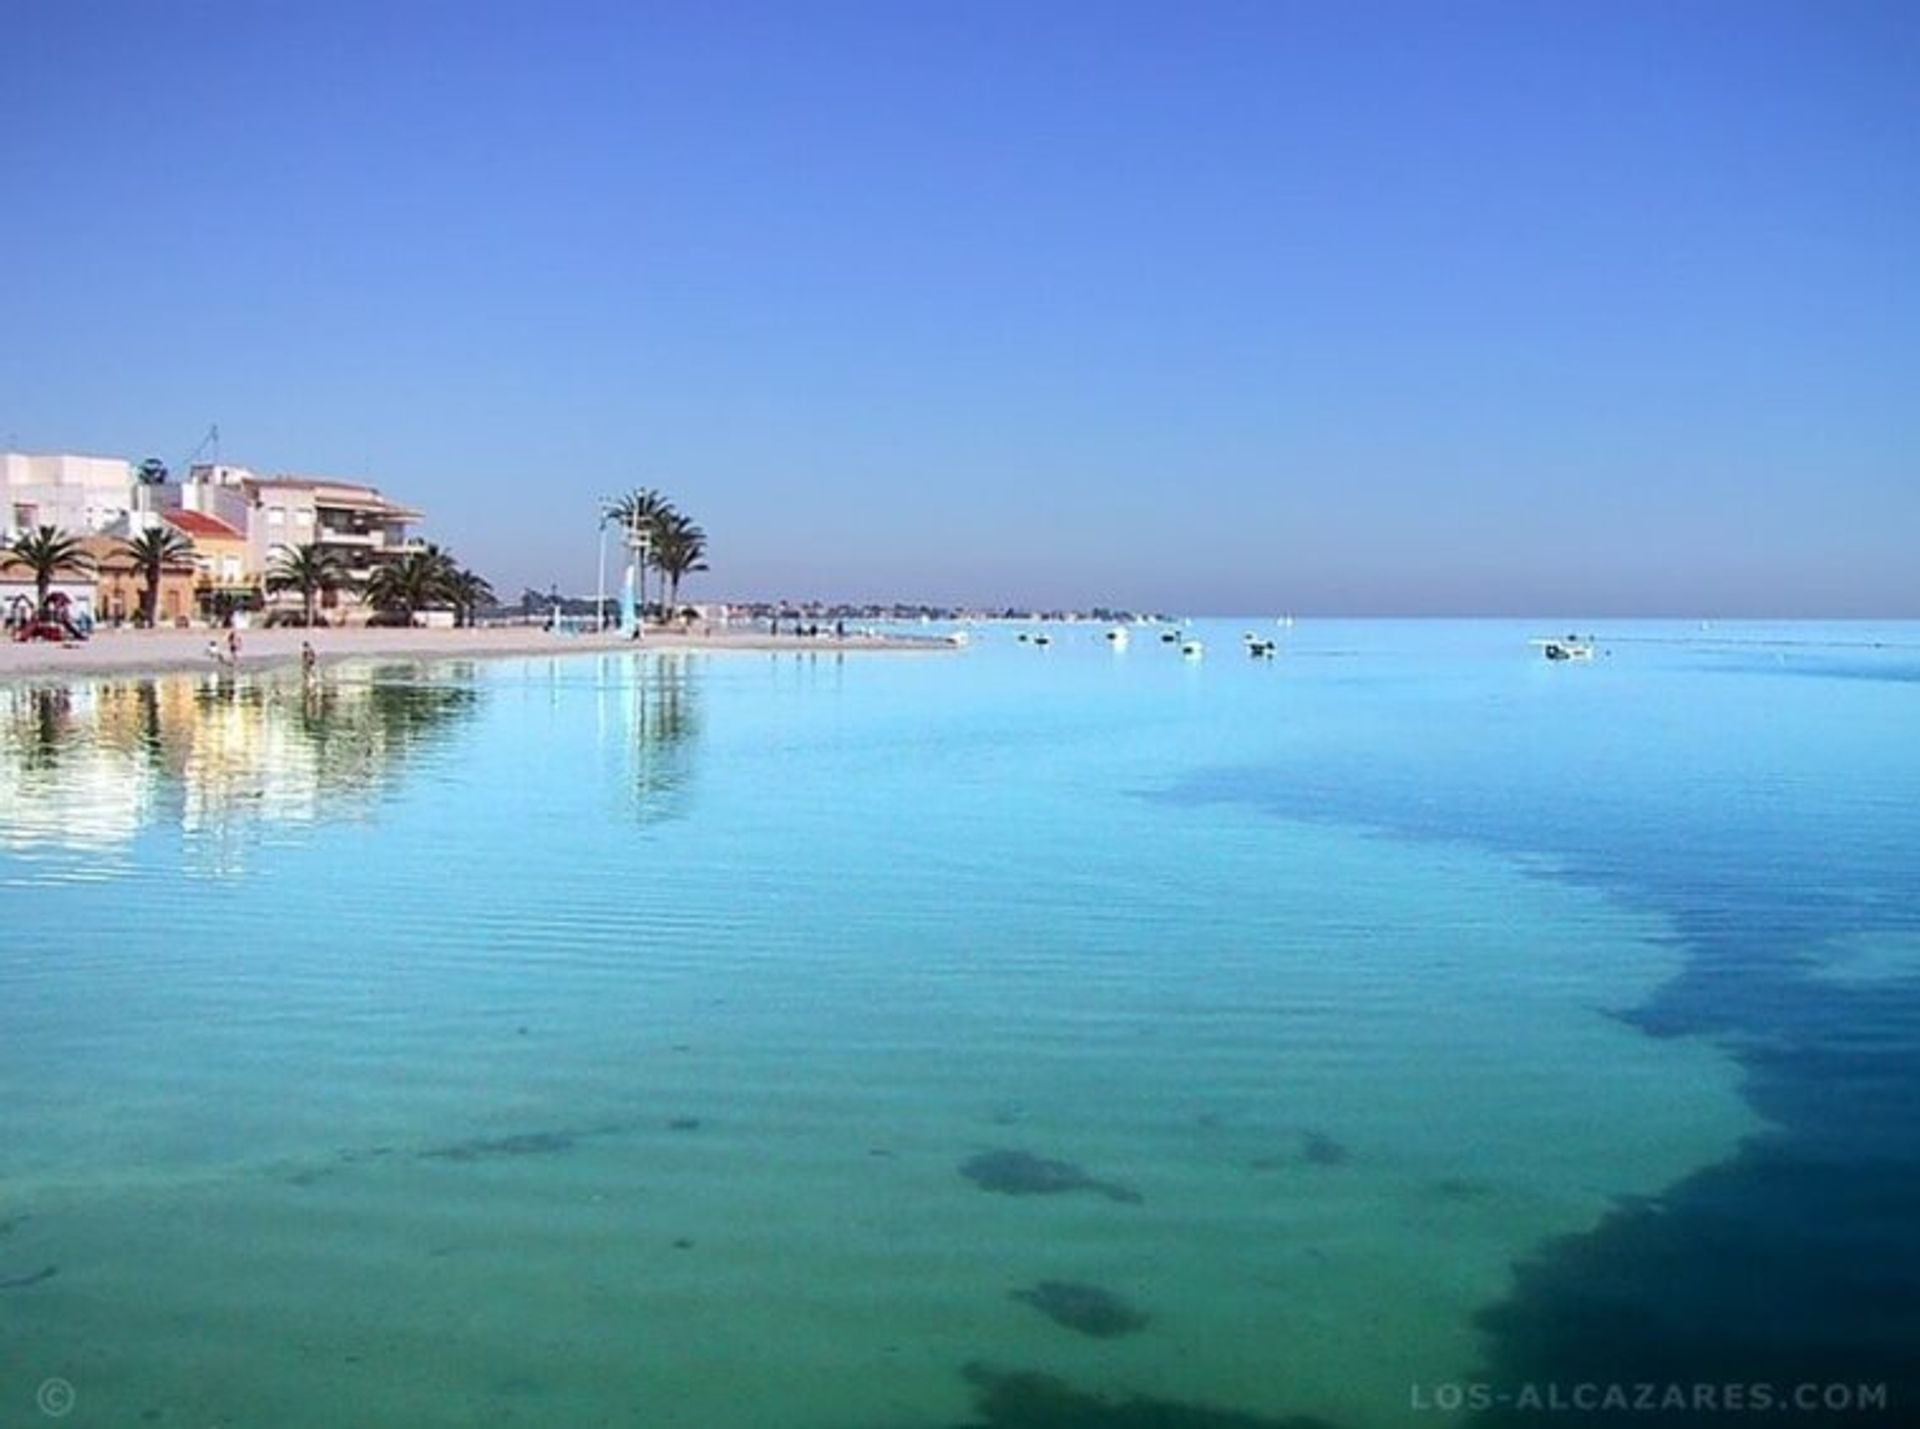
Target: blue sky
<point>1398,307</point>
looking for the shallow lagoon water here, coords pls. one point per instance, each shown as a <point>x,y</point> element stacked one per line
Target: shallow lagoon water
<point>602,1039</point>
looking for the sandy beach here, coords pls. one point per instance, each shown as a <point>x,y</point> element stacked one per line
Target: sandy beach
<point>153,651</point>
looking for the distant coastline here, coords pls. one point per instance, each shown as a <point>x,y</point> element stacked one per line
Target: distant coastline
<point>533,605</point>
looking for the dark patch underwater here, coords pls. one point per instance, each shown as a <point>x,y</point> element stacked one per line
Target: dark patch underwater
<point>1798,1259</point>
<point>1024,1399</point>
<point>1090,1310</point>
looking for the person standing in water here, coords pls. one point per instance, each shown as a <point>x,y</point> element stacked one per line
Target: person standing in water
<point>233,644</point>
<point>309,661</point>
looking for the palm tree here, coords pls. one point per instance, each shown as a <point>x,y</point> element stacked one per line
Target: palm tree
<point>679,549</point>
<point>46,552</point>
<point>152,472</point>
<point>312,570</point>
<point>153,550</point>
<point>414,582</point>
<point>641,512</point>
<point>468,592</point>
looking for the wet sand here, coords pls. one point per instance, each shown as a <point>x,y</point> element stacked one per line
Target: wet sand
<point>153,651</point>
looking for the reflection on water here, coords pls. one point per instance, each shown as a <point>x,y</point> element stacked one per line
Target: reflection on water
<point>663,715</point>
<point>87,767</point>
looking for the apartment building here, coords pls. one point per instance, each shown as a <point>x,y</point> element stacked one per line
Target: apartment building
<point>275,514</point>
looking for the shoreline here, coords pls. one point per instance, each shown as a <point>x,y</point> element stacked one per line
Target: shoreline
<point>161,652</point>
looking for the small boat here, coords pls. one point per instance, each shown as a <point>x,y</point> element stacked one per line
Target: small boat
<point>1192,649</point>
<point>1263,649</point>
<point>1568,647</point>
<point>1043,639</point>
<point>1118,637</point>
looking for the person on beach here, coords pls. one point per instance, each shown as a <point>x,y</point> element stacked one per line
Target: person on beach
<point>215,653</point>
<point>233,645</point>
<point>309,661</point>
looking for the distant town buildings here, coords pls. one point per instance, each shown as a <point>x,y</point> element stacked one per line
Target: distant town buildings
<point>238,523</point>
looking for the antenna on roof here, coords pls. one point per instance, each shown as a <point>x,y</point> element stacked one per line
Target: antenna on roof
<point>210,440</point>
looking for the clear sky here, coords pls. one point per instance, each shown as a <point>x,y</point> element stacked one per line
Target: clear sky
<point>1600,308</point>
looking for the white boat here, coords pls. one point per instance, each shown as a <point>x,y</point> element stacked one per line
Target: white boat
<point>1565,647</point>
<point>1192,649</point>
<point>1118,637</point>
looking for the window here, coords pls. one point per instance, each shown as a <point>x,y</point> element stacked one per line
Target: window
<point>276,515</point>
<point>303,518</point>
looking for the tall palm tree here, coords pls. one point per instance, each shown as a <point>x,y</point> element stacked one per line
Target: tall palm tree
<point>152,472</point>
<point>312,570</point>
<point>642,511</point>
<point>445,571</point>
<point>679,549</point>
<point>47,551</point>
<point>468,591</point>
<point>416,581</point>
<point>153,550</point>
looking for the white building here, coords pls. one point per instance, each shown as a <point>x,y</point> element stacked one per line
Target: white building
<point>78,494</point>
<point>213,489</point>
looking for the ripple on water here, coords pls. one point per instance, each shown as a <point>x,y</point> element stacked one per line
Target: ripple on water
<point>523,993</point>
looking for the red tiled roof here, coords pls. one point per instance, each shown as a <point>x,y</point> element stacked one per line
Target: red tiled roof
<point>198,523</point>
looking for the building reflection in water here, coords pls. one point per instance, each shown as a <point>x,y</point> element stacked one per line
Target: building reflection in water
<point>87,767</point>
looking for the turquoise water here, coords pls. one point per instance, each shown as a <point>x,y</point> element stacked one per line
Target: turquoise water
<point>634,1040</point>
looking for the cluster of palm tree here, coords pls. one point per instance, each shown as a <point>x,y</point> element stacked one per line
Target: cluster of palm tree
<point>673,543</point>
<point>425,579</point>
<point>47,552</point>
